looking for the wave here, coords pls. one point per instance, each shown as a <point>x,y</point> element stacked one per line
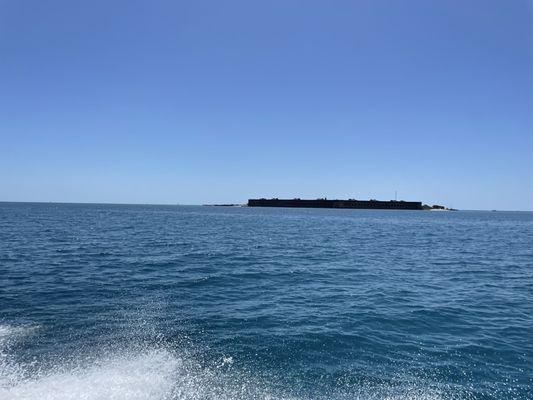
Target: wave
<point>158,373</point>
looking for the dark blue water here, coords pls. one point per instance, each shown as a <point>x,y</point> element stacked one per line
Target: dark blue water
<point>168,302</point>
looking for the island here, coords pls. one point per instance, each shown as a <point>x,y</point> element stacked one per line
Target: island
<point>326,203</point>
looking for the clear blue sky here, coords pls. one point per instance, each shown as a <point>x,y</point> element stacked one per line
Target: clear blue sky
<point>216,101</point>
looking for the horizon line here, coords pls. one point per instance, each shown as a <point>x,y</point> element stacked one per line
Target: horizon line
<point>189,205</point>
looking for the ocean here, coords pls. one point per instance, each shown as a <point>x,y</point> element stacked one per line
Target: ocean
<point>187,302</point>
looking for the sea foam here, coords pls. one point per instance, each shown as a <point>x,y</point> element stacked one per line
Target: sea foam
<point>131,375</point>
<point>135,377</point>
<point>153,374</point>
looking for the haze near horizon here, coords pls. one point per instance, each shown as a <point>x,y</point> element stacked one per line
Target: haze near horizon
<point>211,102</point>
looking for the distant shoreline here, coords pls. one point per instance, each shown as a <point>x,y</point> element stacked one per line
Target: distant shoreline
<point>339,204</point>
<point>195,205</point>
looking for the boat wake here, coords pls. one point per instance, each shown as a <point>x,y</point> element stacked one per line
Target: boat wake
<point>154,373</point>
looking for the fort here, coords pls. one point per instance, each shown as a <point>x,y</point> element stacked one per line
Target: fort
<point>325,203</point>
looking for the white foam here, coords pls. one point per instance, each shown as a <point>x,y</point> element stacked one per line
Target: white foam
<point>153,374</point>
<point>9,334</point>
<point>142,376</point>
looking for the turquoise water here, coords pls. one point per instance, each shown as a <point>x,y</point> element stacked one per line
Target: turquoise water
<point>168,302</point>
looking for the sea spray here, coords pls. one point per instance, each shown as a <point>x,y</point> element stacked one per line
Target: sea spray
<point>158,373</point>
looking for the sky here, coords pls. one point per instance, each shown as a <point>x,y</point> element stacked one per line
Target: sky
<point>196,102</point>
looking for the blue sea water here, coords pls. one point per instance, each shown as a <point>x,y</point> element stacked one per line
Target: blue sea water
<point>176,302</point>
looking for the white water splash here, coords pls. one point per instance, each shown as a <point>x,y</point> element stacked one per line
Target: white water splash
<point>136,377</point>
<point>149,374</point>
<point>9,334</point>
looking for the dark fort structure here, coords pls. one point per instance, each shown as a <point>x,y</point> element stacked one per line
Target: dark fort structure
<point>325,203</point>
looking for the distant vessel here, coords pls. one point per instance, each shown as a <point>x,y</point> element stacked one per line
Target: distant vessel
<point>325,203</point>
